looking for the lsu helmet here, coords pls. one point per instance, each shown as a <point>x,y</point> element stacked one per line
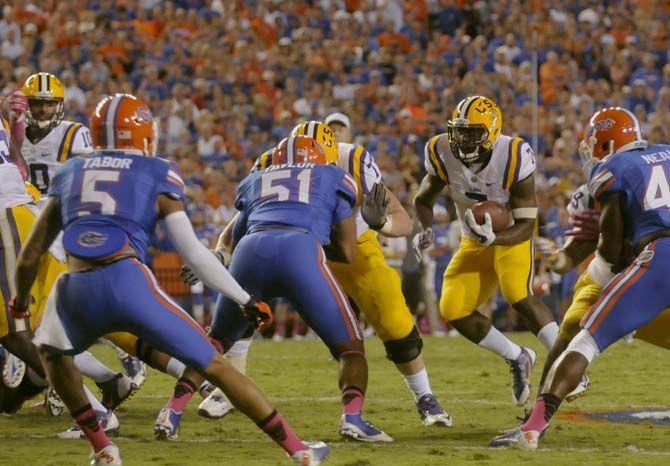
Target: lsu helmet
<point>299,149</point>
<point>610,131</point>
<point>122,121</point>
<point>474,128</point>
<point>44,88</point>
<point>322,133</point>
<point>263,161</point>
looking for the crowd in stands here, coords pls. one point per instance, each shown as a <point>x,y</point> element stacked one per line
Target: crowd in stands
<point>230,78</point>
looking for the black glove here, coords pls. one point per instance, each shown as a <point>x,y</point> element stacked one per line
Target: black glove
<point>190,278</point>
<point>259,314</point>
<point>375,207</point>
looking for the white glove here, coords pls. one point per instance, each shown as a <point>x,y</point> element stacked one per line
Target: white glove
<point>484,233</point>
<point>423,241</point>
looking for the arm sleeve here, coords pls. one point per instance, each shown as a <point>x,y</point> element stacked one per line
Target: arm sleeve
<point>347,196</point>
<point>171,183</point>
<point>200,259</point>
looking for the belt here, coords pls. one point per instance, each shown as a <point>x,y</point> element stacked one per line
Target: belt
<point>256,229</point>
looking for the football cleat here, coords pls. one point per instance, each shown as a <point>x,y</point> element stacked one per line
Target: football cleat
<point>13,370</point>
<point>517,438</point>
<point>109,423</point>
<point>135,369</point>
<point>354,427</point>
<point>206,388</point>
<point>52,403</point>
<point>167,424</point>
<point>215,406</point>
<point>521,369</point>
<point>431,412</point>
<point>108,455</point>
<point>580,390</point>
<point>117,390</point>
<point>317,453</point>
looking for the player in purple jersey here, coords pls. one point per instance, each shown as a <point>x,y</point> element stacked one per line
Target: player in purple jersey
<point>631,184</point>
<point>293,215</point>
<point>107,205</point>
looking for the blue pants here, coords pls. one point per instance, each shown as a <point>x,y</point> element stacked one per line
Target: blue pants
<point>633,297</point>
<point>291,265</point>
<point>120,297</point>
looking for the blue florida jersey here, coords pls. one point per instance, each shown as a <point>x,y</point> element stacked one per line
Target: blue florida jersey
<point>641,178</point>
<point>108,200</point>
<point>303,196</point>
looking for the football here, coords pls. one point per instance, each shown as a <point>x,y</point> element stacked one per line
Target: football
<point>500,216</point>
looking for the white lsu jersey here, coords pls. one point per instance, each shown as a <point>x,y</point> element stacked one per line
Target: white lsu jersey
<point>65,140</point>
<point>581,201</point>
<point>512,161</point>
<point>360,164</point>
<point>12,189</point>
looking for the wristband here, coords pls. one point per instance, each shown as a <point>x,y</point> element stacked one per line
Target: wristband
<point>387,228</point>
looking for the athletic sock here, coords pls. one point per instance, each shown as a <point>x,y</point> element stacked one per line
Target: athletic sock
<point>545,407</point>
<point>97,405</point>
<point>175,368</point>
<point>548,334</point>
<point>88,422</point>
<point>91,367</point>
<point>352,400</point>
<point>278,430</point>
<point>418,383</point>
<point>500,344</point>
<point>183,391</point>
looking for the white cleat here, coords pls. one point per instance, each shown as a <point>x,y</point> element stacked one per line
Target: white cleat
<point>52,403</point>
<point>13,370</point>
<point>108,455</point>
<point>315,456</point>
<point>215,406</point>
<point>521,369</point>
<point>108,420</point>
<point>354,427</point>
<point>580,390</point>
<point>517,438</point>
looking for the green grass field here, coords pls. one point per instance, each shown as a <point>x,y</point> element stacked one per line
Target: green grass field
<point>301,379</point>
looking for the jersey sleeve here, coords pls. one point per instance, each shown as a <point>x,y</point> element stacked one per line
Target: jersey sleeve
<point>433,162</point>
<point>76,141</point>
<point>604,180</point>
<point>580,201</point>
<point>520,163</point>
<point>347,197</point>
<point>171,182</point>
<point>56,184</point>
<point>363,169</point>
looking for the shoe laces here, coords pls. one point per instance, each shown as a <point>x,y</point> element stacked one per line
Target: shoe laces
<point>429,404</point>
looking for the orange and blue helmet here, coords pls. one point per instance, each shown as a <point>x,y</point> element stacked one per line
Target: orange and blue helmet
<point>298,149</point>
<point>122,121</point>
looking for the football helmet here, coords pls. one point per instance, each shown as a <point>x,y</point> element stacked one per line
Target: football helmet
<point>474,128</point>
<point>610,131</point>
<point>263,161</point>
<point>46,100</point>
<point>298,149</point>
<point>122,121</point>
<point>323,134</point>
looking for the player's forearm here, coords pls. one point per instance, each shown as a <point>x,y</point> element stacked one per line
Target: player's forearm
<point>225,242</point>
<point>399,222</point>
<point>521,231</point>
<point>203,263</point>
<point>573,253</point>
<point>425,199</point>
<point>25,275</point>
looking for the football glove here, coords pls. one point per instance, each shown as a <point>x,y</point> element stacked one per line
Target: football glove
<point>484,233</point>
<point>189,277</point>
<point>375,207</point>
<point>18,310</point>
<point>259,313</point>
<point>423,241</point>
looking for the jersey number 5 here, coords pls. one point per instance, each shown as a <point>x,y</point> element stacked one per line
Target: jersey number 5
<point>282,185</point>
<point>92,194</point>
<point>658,192</point>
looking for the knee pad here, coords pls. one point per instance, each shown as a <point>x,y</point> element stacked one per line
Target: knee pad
<point>584,344</point>
<point>405,349</point>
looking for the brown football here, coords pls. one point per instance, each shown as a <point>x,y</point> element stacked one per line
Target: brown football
<point>500,216</point>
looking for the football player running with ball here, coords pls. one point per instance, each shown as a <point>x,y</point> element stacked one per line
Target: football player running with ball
<point>478,163</point>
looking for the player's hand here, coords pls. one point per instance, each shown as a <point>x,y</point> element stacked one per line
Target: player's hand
<point>585,225</point>
<point>375,207</point>
<point>423,241</point>
<point>191,279</point>
<point>484,233</point>
<point>546,248</point>
<point>258,313</point>
<point>14,106</point>
<point>18,309</point>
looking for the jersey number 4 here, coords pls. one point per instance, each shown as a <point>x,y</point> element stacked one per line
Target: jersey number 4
<point>286,185</point>
<point>657,194</point>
